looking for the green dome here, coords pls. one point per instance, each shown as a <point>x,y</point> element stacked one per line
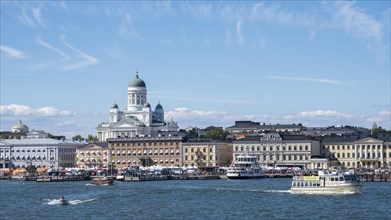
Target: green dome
<point>159,106</point>
<point>147,105</point>
<point>20,127</point>
<point>115,105</point>
<point>137,82</point>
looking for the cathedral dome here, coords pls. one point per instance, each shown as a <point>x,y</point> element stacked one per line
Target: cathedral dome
<point>114,105</point>
<point>159,106</point>
<point>137,82</point>
<point>147,105</point>
<point>19,128</point>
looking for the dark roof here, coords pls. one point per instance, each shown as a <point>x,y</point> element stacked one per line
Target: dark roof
<point>339,139</point>
<point>247,139</point>
<point>257,125</point>
<point>296,137</point>
<point>384,137</point>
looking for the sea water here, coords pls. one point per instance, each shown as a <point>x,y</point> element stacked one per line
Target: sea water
<point>188,199</point>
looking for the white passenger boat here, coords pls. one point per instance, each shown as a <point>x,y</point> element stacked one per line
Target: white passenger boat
<point>327,183</point>
<point>245,167</point>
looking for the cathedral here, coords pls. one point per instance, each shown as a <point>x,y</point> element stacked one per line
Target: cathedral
<point>138,119</point>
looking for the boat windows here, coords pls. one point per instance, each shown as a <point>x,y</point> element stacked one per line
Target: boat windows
<point>341,178</point>
<point>347,178</point>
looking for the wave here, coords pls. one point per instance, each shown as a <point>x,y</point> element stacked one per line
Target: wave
<point>71,202</point>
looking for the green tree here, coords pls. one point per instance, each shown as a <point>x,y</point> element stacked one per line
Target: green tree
<point>217,133</point>
<point>78,138</point>
<point>92,138</point>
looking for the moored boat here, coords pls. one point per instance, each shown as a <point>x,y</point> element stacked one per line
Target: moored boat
<point>102,180</point>
<point>245,167</point>
<point>327,183</point>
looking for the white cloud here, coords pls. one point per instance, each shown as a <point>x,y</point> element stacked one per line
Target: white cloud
<point>327,81</point>
<point>32,17</point>
<point>239,34</point>
<point>23,110</point>
<point>360,25</point>
<point>12,52</point>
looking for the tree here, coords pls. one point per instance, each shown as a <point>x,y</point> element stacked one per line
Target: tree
<point>217,133</point>
<point>380,130</point>
<point>78,138</point>
<point>92,138</point>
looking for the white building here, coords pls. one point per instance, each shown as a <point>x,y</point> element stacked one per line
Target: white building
<point>40,152</point>
<point>138,119</point>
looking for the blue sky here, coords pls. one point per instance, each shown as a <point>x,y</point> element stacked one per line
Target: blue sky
<point>320,63</point>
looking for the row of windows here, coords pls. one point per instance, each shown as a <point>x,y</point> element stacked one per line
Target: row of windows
<point>145,144</point>
<point>93,153</point>
<point>363,155</point>
<point>196,158</point>
<point>25,158</point>
<point>271,148</point>
<point>139,154</point>
<point>203,149</point>
<point>348,147</point>
<point>278,157</point>
<point>66,149</point>
<point>25,150</point>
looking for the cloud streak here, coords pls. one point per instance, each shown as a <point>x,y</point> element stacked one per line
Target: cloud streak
<point>318,80</point>
<point>86,60</point>
<point>66,61</point>
<point>12,52</point>
<point>64,56</point>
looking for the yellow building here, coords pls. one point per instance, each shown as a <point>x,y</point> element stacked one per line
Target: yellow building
<point>207,154</point>
<point>352,152</point>
<point>94,155</point>
<point>145,151</point>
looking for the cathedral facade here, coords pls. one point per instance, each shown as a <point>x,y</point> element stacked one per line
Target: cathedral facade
<point>138,119</point>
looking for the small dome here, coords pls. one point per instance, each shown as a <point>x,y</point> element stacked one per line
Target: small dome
<point>147,105</point>
<point>114,105</point>
<point>19,128</point>
<point>137,82</point>
<point>159,106</point>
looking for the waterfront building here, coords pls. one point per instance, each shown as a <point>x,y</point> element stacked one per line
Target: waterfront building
<point>358,152</point>
<point>249,128</point>
<point>340,150</point>
<point>39,152</point>
<point>369,153</point>
<point>145,151</point>
<point>138,119</point>
<point>93,155</point>
<point>277,150</point>
<point>207,153</point>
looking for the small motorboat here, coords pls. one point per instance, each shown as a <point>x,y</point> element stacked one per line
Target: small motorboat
<point>63,201</point>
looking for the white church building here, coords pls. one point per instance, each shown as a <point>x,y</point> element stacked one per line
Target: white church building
<point>138,119</point>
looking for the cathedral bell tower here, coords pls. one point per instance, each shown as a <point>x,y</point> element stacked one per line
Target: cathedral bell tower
<point>137,94</point>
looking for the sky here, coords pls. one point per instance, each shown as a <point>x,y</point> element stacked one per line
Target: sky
<point>319,63</point>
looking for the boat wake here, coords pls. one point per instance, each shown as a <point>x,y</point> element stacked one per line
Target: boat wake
<point>254,190</point>
<point>70,202</point>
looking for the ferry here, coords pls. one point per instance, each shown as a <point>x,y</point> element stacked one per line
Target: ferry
<point>327,183</point>
<point>102,180</point>
<point>245,167</point>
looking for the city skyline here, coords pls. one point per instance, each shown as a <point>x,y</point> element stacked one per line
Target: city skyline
<point>64,64</point>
